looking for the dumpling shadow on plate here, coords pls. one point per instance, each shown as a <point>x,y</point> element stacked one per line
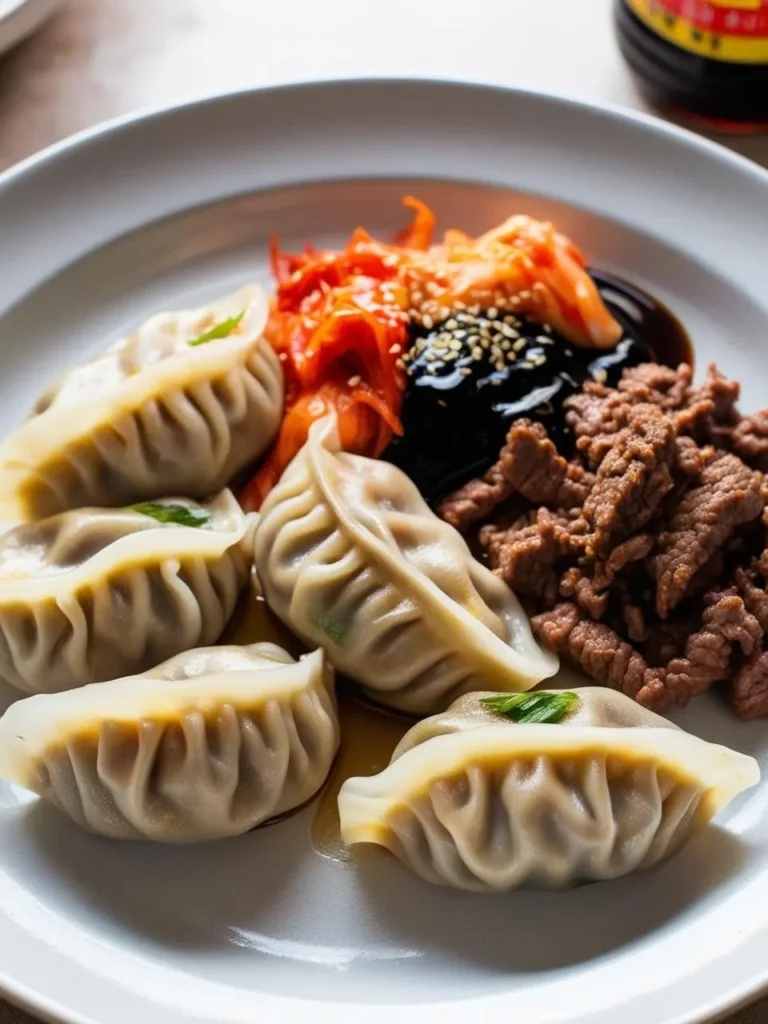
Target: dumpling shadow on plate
<point>196,897</point>
<point>530,931</point>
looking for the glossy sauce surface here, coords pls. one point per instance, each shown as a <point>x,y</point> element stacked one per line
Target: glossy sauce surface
<point>369,735</point>
<point>473,375</point>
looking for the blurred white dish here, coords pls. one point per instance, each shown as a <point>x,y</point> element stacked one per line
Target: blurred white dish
<point>20,18</point>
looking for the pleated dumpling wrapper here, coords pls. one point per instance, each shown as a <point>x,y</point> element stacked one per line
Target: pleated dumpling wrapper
<point>206,745</point>
<point>583,787</point>
<point>176,408</point>
<point>351,558</point>
<point>98,593</point>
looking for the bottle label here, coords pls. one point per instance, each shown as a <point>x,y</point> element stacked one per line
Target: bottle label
<point>729,30</point>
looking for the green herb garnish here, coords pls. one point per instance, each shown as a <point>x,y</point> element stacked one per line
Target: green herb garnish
<point>335,631</point>
<point>179,514</point>
<point>220,330</point>
<point>532,707</point>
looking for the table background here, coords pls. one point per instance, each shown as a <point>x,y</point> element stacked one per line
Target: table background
<point>97,59</point>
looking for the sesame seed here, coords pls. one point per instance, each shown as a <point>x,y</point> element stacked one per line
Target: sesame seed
<point>441,402</point>
<point>506,345</point>
<point>600,375</point>
<point>496,381</point>
<point>400,364</point>
<point>455,345</point>
<point>520,344</point>
<point>474,310</point>
<point>477,353</point>
<point>452,324</point>
<point>458,304</point>
<point>526,365</point>
<point>543,341</point>
<point>511,357</point>
<point>445,312</point>
<point>492,313</point>
<point>464,371</point>
<point>417,297</point>
<point>354,381</point>
<point>427,321</point>
<point>282,356</point>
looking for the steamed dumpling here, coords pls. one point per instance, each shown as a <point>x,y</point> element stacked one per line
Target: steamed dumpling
<point>350,557</point>
<point>97,593</point>
<point>164,411</point>
<point>474,800</point>
<point>209,744</point>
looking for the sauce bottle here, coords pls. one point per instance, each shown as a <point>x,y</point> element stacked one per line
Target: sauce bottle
<point>707,58</point>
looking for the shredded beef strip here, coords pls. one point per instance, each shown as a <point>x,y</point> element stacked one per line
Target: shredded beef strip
<point>526,554</point>
<point>589,584</point>
<point>633,478</point>
<point>598,649</point>
<point>727,496</point>
<point>528,465</point>
<point>749,440</point>
<point>726,627</point>
<point>753,594</point>
<point>661,385</point>
<point>749,688</point>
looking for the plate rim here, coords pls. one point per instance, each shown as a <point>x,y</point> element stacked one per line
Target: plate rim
<point>155,111</point>
<point>51,1009</point>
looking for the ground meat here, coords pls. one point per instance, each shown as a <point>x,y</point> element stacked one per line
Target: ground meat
<point>753,594</point>
<point>727,495</point>
<point>749,440</point>
<point>667,640</point>
<point>749,688</point>
<point>601,652</point>
<point>474,501</point>
<point>633,478</point>
<point>665,387</point>
<point>721,394</point>
<point>526,554</point>
<point>528,465</point>
<point>726,628</point>
<point>645,555</point>
<point>589,584</point>
<point>689,458</point>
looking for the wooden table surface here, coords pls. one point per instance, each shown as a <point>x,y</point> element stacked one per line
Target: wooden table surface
<point>97,59</point>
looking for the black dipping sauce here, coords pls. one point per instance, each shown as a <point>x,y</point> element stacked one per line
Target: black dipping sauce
<point>463,395</point>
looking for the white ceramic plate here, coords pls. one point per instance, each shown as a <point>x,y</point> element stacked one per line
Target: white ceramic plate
<point>177,207</point>
<point>20,18</point>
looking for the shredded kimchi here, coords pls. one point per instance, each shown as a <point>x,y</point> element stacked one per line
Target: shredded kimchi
<point>339,320</point>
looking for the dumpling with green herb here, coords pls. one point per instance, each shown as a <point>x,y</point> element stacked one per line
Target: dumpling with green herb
<point>208,744</point>
<point>97,593</point>
<point>178,407</point>
<point>544,789</point>
<point>351,558</point>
